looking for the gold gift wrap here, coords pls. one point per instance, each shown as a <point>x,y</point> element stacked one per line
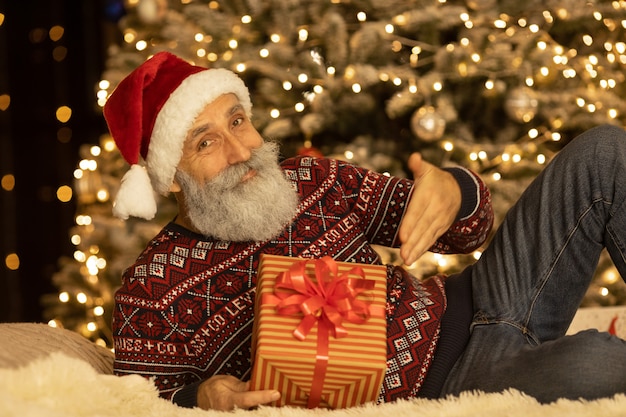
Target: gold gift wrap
<point>319,332</point>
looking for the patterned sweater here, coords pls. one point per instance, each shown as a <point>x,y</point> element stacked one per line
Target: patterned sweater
<point>184,311</point>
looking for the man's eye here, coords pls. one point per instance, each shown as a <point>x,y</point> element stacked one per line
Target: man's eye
<point>238,121</point>
<point>205,144</point>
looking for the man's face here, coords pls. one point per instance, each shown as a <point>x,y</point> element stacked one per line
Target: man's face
<point>233,192</point>
<point>221,136</point>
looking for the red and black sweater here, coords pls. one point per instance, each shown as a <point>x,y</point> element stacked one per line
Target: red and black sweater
<point>184,311</point>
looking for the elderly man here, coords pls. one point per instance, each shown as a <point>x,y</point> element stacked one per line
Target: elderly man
<point>184,313</point>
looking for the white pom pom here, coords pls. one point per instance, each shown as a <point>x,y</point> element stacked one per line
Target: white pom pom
<point>135,196</point>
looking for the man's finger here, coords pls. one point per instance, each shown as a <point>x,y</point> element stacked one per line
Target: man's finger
<point>249,399</point>
<point>414,249</point>
<point>415,163</point>
<point>414,225</point>
<point>410,252</point>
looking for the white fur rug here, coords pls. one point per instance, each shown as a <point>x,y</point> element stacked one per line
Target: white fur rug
<point>61,386</point>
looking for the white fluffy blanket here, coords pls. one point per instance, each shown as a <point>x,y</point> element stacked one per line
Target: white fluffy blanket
<point>61,386</point>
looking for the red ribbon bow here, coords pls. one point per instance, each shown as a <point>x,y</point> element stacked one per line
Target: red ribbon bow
<point>327,301</point>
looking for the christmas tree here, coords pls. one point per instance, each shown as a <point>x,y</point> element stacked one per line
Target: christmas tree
<point>496,86</point>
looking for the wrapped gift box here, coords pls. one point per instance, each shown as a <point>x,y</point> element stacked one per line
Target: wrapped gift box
<point>311,362</point>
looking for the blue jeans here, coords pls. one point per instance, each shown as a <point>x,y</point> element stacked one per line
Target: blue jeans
<point>531,279</point>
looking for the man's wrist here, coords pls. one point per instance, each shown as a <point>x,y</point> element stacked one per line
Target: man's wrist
<point>469,191</point>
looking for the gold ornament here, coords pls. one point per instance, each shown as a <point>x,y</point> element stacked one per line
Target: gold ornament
<point>151,11</point>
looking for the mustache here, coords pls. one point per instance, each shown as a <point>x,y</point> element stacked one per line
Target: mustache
<point>261,159</point>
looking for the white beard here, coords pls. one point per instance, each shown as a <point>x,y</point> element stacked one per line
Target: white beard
<point>254,210</point>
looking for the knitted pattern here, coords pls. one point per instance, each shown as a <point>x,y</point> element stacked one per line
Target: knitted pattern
<point>185,308</point>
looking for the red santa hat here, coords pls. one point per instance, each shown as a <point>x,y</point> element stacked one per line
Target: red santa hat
<point>149,115</point>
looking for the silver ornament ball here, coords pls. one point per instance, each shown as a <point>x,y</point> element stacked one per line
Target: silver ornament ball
<point>522,104</point>
<point>428,124</point>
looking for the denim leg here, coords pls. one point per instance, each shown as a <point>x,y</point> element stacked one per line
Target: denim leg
<point>529,282</point>
<point>588,365</point>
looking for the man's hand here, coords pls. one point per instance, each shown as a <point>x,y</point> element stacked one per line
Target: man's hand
<point>434,205</point>
<point>225,393</point>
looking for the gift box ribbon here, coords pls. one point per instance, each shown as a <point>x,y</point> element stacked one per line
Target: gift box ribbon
<point>326,301</point>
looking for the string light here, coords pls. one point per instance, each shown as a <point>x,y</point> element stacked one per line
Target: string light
<point>64,193</point>
<point>83,220</point>
<point>440,260</point>
<point>88,164</point>
<point>610,276</point>
<point>129,36</point>
<point>80,256</point>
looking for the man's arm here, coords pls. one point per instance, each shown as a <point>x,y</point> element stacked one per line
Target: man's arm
<point>447,208</point>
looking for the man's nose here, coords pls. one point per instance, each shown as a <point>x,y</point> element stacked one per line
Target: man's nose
<point>237,149</point>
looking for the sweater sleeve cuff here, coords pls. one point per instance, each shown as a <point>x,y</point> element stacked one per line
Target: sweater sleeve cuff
<point>187,396</point>
<point>470,190</point>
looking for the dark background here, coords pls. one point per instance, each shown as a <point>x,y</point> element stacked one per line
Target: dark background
<point>38,150</point>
